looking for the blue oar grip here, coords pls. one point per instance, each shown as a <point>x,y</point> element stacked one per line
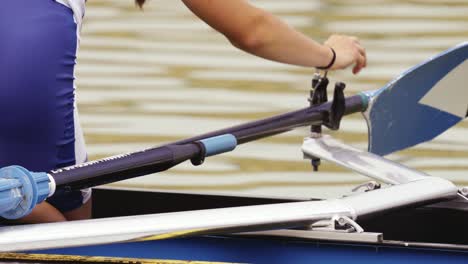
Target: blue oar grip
<point>21,190</point>
<point>219,144</point>
<point>9,199</point>
<point>365,98</point>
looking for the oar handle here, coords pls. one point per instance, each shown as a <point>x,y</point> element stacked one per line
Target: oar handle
<point>140,163</point>
<point>21,190</point>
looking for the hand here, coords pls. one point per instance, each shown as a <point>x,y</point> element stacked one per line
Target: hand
<point>348,52</point>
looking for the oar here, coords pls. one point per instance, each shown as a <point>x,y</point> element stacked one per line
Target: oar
<point>399,102</point>
<point>420,104</point>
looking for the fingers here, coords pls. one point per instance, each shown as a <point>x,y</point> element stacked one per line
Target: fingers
<point>355,39</point>
<point>360,58</point>
<point>349,52</point>
<point>360,55</point>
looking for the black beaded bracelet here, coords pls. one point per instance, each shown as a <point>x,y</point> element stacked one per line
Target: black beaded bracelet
<point>331,62</point>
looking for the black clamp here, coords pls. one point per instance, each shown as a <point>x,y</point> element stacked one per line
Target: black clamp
<point>200,159</point>
<point>332,117</point>
<point>337,108</point>
<point>318,95</point>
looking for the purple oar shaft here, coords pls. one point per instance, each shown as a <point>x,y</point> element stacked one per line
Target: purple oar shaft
<point>161,158</point>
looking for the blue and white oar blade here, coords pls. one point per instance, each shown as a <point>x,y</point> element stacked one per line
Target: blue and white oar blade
<point>420,104</point>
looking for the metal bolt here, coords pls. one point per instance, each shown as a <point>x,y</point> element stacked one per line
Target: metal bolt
<point>372,185</point>
<point>341,221</point>
<point>464,191</point>
<point>315,135</point>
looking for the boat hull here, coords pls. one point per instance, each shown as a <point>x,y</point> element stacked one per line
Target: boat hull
<point>262,250</point>
<point>426,235</point>
<point>431,234</point>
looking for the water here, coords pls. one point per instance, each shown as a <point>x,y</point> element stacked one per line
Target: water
<point>146,78</point>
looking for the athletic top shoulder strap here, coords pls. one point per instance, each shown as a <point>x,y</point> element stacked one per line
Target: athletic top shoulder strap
<point>78,7</point>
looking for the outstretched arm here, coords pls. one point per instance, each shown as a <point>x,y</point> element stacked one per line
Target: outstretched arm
<point>260,33</point>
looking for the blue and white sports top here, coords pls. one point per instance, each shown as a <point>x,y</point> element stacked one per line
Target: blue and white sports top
<point>39,126</point>
<point>78,7</point>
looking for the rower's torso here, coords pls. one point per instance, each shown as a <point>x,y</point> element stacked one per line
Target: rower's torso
<point>78,7</point>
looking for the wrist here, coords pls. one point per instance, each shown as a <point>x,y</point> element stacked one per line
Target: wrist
<point>331,61</point>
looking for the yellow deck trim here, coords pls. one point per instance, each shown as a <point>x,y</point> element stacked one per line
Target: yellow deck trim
<point>87,259</point>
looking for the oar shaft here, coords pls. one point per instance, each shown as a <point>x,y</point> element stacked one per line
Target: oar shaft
<point>152,160</point>
<point>282,123</point>
<point>158,159</point>
<point>123,167</point>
